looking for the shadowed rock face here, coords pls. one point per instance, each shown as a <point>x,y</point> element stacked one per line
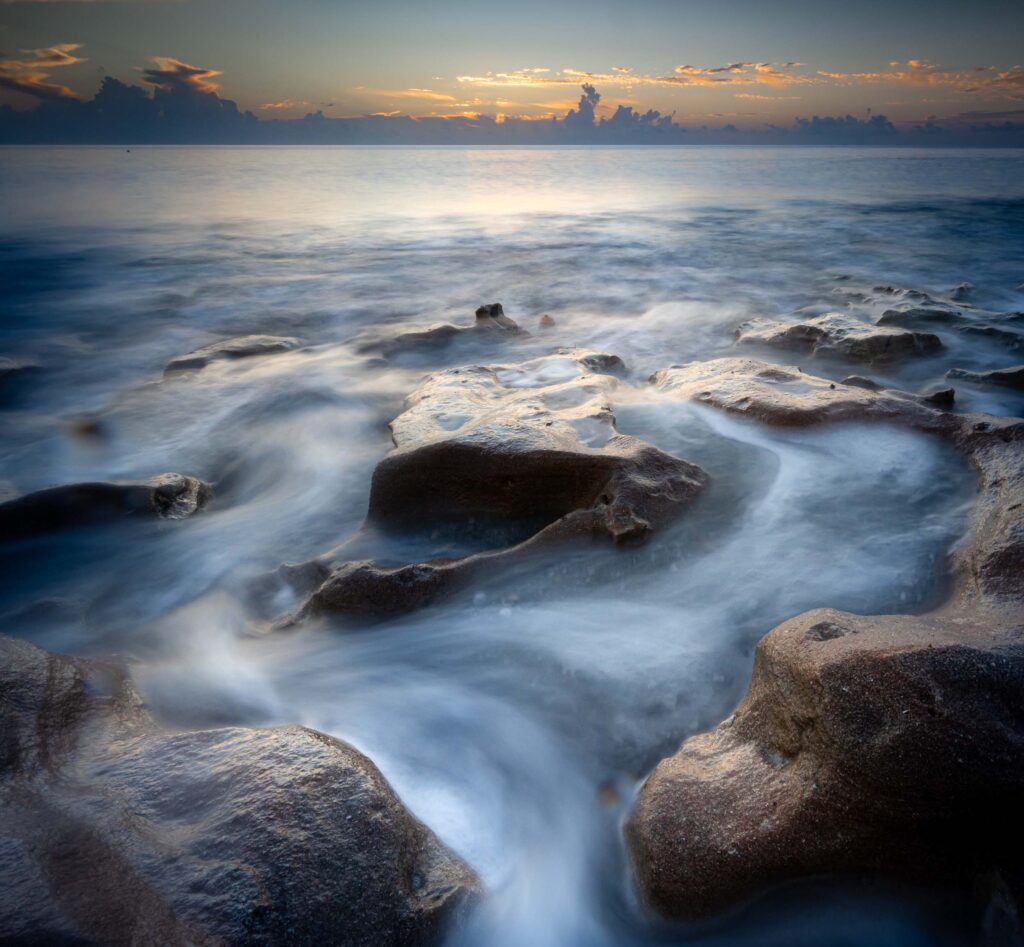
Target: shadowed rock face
<point>116,832</point>
<point>889,744</point>
<point>531,445</point>
<point>169,496</point>
<point>243,347</point>
<point>834,334</point>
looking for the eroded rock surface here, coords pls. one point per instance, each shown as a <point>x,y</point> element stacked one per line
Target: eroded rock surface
<point>245,346</point>
<point>169,496</point>
<point>117,832</point>
<point>530,447</point>
<point>838,335</point>
<point>888,744</point>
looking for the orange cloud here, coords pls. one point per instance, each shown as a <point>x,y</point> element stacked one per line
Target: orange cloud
<point>918,72</point>
<point>29,75</point>
<point>428,94</point>
<point>171,74</point>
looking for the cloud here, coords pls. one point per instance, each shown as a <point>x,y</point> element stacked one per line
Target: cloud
<point>754,97</point>
<point>172,74</point>
<point>428,94</point>
<point>29,74</point>
<point>1007,83</point>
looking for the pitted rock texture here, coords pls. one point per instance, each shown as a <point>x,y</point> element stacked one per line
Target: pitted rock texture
<point>115,832</point>
<point>168,496</point>
<point>889,744</point>
<point>531,445</point>
<point>245,346</point>
<point>838,335</point>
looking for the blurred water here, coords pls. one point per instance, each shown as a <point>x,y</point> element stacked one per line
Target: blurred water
<point>517,718</point>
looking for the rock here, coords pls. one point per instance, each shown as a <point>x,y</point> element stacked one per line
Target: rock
<point>887,744</point>
<point>940,397</point>
<point>490,322</point>
<point>834,334</point>
<point>118,832</point>
<point>913,294</point>
<point>884,744</point>
<point>912,317</point>
<point>546,322</point>
<point>1004,377</point>
<point>528,450</point>
<point>1005,337</point>
<point>962,292</point>
<point>243,347</point>
<point>168,496</point>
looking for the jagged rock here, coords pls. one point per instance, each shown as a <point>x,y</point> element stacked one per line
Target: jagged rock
<point>529,448</point>
<point>117,832</point>
<point>834,334</point>
<point>490,322</point>
<point>169,496</point>
<point>243,347</point>
<point>886,744</point>
<point>1004,377</point>
<point>940,397</point>
<point>962,292</point>
<point>1005,337</point>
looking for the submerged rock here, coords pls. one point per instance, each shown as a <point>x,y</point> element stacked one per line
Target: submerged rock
<point>914,316</point>
<point>490,322</point>
<point>887,744</point>
<point>834,334</point>
<point>1004,377</point>
<point>117,832</point>
<point>245,346</point>
<point>530,447</point>
<point>169,496</point>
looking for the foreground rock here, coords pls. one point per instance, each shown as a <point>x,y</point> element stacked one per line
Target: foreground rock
<point>168,496</point>
<point>527,450</point>
<point>889,744</point>
<point>116,832</point>
<point>245,346</point>
<point>838,335</point>
<point>490,323</point>
<point>1003,377</point>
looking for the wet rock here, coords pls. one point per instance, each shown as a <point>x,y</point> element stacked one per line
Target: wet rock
<point>529,448</point>
<point>168,496</point>
<point>889,744</point>
<point>914,316</point>
<point>962,292</point>
<point>1007,338</point>
<point>118,832</point>
<point>245,346</point>
<point>884,744</point>
<point>547,322</point>
<point>838,335</point>
<point>490,322</point>
<point>940,397</point>
<point>1004,377</point>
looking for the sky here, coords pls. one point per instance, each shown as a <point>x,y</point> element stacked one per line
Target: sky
<point>734,67</point>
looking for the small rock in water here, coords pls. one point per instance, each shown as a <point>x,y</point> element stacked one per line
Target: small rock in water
<point>546,322</point>
<point>961,292</point>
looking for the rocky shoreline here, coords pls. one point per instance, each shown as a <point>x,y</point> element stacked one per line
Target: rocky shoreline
<point>881,745</point>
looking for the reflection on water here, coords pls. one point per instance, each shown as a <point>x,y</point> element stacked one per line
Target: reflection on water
<point>517,718</point>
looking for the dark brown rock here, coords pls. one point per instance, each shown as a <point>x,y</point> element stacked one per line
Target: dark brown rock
<point>490,322</point>
<point>886,744</point>
<point>245,346</point>
<point>168,496</point>
<point>117,832</point>
<point>530,447</point>
<point>913,316</point>
<point>838,335</point>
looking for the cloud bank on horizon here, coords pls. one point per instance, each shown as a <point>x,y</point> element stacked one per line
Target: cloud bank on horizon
<point>178,102</point>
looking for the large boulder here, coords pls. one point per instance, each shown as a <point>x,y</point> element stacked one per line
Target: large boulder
<point>167,496</point>
<point>886,744</point>
<point>892,744</point>
<point>527,452</point>
<point>117,832</point>
<point>839,335</point>
<point>245,346</point>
